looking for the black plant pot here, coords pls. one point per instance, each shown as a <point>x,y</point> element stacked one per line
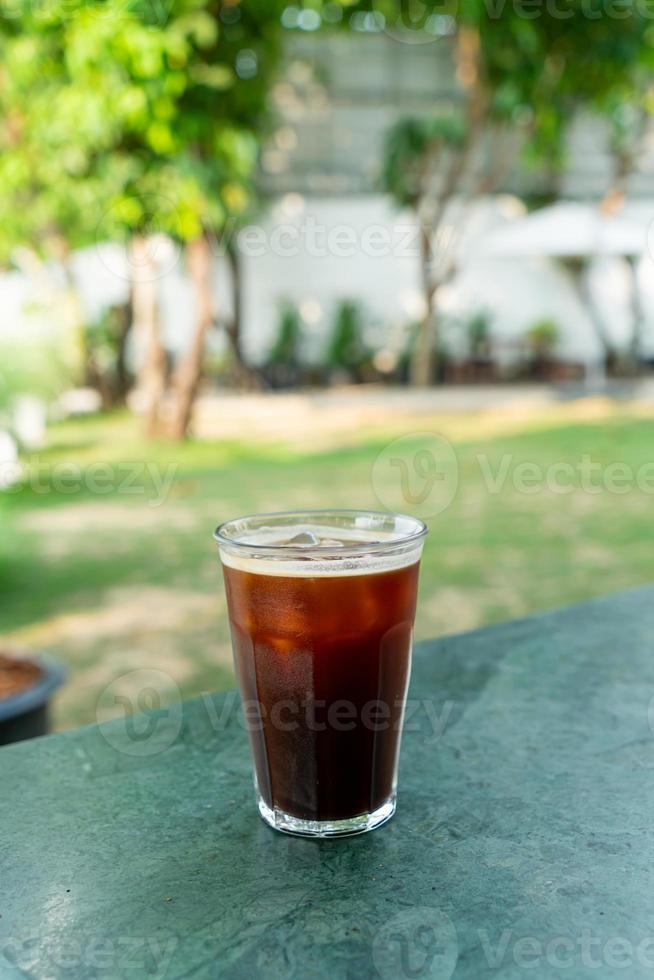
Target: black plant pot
<point>25,714</point>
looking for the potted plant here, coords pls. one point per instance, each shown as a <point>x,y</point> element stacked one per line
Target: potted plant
<point>542,338</point>
<point>26,686</point>
<point>347,355</point>
<point>282,369</point>
<point>479,331</point>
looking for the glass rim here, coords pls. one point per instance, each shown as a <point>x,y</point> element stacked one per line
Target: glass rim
<point>288,552</point>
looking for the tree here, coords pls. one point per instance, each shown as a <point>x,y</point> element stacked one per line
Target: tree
<point>125,121</point>
<point>423,166</point>
<point>521,74</point>
<point>629,130</point>
<point>45,198</point>
<point>245,374</point>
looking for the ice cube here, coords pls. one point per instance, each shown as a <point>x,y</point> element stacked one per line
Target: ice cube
<point>305,539</point>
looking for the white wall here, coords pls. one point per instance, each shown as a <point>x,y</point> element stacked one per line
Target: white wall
<point>316,251</point>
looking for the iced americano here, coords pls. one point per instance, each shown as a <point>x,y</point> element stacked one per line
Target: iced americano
<point>321,608</point>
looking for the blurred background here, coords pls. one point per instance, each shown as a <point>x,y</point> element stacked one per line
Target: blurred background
<point>253,254</point>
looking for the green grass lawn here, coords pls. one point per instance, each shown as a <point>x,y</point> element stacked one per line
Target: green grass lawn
<point>109,583</point>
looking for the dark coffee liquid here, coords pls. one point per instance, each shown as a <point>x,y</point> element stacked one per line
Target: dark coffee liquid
<point>326,660</point>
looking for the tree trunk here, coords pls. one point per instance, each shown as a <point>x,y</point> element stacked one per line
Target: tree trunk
<point>579,271</point>
<point>59,249</point>
<point>122,373</point>
<point>245,376</point>
<point>187,376</point>
<point>613,203</point>
<point>111,385</point>
<point>422,361</point>
<point>469,71</point>
<point>151,375</point>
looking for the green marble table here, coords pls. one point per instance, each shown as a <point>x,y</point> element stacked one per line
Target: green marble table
<point>523,843</point>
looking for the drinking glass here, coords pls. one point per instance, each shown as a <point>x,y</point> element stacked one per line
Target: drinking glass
<point>321,609</point>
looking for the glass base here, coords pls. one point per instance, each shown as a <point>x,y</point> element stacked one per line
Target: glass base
<point>363,822</point>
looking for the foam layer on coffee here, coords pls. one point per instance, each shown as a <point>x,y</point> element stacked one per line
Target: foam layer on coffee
<point>301,546</point>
